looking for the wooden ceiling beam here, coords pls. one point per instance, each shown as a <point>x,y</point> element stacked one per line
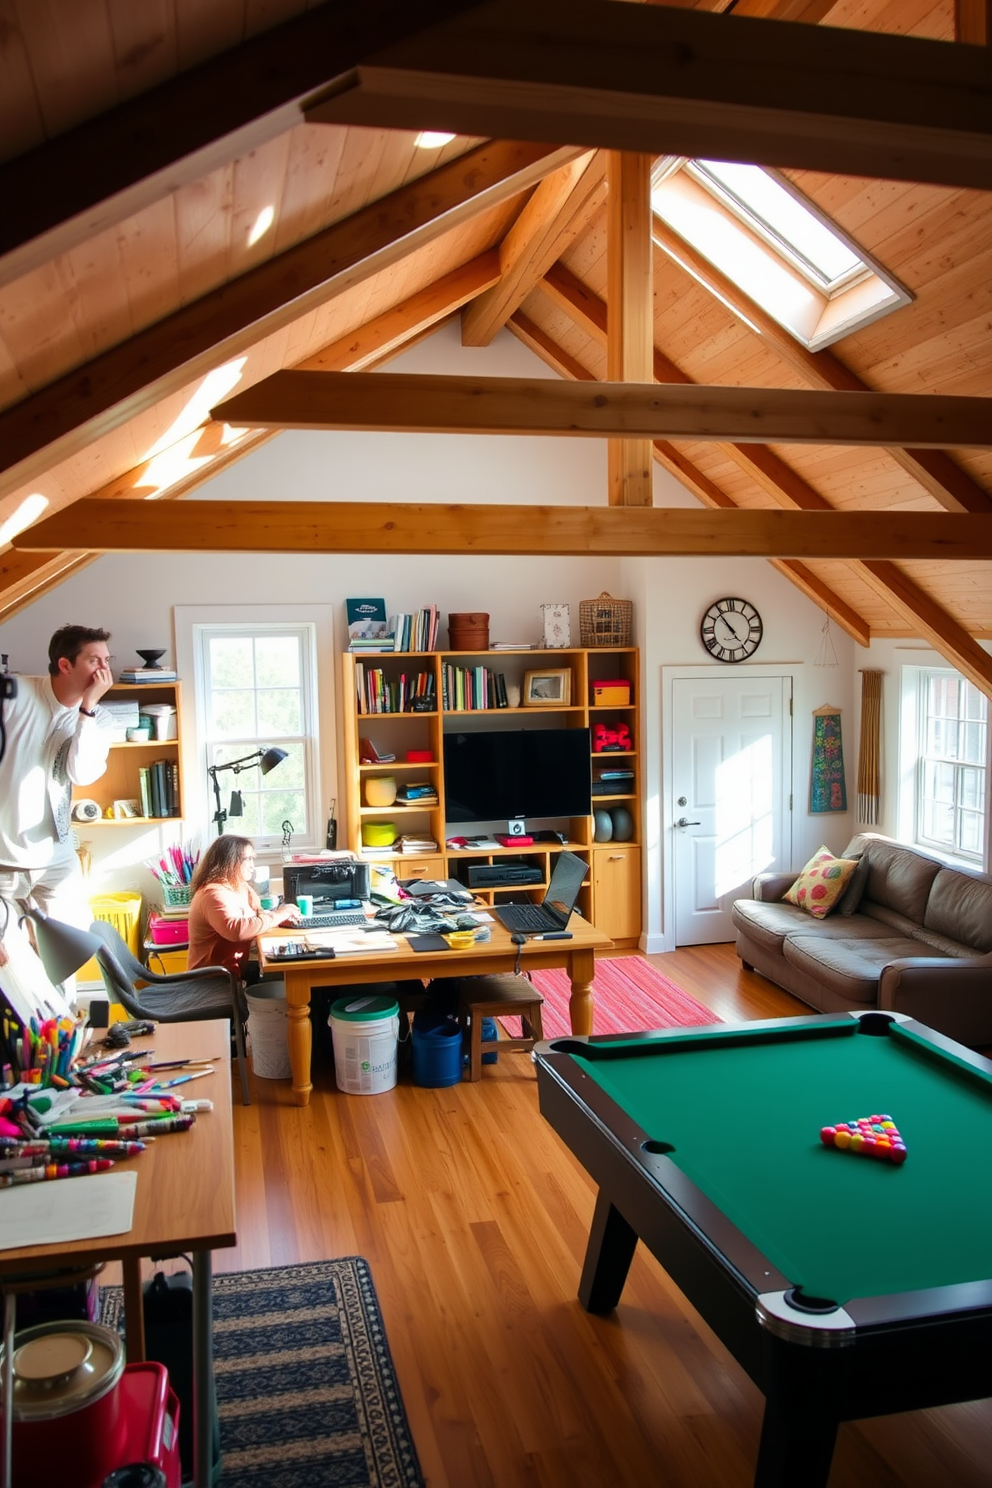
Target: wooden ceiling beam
<point>630,323</point>
<point>410,403</point>
<point>384,335</point>
<point>973,21</point>
<point>557,210</point>
<point>424,527</point>
<point>111,166</point>
<point>660,81</point>
<point>395,330</point>
<point>934,470</point>
<point>104,393</point>
<point>929,620</point>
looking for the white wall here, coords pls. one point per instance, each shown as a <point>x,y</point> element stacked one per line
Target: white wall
<point>134,595</point>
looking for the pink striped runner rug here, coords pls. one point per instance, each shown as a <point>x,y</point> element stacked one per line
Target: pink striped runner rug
<point>629,996</point>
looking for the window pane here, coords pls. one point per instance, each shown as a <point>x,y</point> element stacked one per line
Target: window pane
<point>279,711</point>
<point>280,806</point>
<point>277,661</point>
<point>786,217</point>
<point>938,823</point>
<point>973,743</point>
<point>233,713</point>
<point>971,787</point>
<point>970,833</point>
<point>231,661</point>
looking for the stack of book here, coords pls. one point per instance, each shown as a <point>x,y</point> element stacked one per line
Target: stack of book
<point>511,646</point>
<point>415,842</point>
<point>148,674</point>
<point>367,629</point>
<point>421,793</point>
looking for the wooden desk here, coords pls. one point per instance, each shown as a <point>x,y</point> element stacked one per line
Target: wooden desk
<point>577,955</point>
<point>184,1201</point>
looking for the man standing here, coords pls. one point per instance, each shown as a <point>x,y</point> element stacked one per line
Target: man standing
<point>57,736</point>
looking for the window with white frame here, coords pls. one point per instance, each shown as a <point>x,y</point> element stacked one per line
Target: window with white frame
<point>951,767</point>
<point>258,691</point>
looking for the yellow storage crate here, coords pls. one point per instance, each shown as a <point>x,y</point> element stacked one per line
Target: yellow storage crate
<point>123,911</point>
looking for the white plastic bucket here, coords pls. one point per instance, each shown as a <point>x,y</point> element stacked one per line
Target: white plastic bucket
<point>365,1029</point>
<point>267,1030</point>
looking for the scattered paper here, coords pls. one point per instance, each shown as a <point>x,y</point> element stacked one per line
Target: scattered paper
<point>60,1209</point>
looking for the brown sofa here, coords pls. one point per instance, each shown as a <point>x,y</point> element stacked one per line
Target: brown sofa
<point>910,935</point>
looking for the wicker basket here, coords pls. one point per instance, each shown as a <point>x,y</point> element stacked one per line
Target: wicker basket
<point>605,621</point>
<point>176,895</point>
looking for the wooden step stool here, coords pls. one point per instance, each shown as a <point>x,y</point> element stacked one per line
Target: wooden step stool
<point>498,997</point>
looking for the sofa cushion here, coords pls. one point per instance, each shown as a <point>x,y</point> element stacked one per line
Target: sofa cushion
<point>768,924</point>
<point>899,878</point>
<point>851,897</point>
<point>960,907</point>
<point>821,883</point>
<point>850,967</point>
<point>941,945</point>
<point>894,922</point>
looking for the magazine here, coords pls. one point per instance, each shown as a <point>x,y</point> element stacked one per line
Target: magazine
<point>366,620</point>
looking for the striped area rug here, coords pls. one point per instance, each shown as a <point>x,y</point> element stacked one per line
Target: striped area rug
<point>306,1391</point>
<point>629,996</point>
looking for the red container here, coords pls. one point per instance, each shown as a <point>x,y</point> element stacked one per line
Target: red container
<point>150,1417</point>
<point>168,932</point>
<point>67,1404</point>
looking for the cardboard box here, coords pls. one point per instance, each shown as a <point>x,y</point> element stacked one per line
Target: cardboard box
<point>614,693</point>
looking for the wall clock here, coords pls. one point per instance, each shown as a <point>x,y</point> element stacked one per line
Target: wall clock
<point>731,629</point>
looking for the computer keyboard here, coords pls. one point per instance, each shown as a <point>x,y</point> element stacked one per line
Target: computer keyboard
<point>525,917</point>
<point>336,921</point>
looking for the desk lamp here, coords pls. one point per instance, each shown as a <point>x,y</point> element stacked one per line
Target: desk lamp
<point>266,759</point>
<point>62,948</point>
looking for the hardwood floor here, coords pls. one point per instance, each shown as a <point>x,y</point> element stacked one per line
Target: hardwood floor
<point>474,1218</point>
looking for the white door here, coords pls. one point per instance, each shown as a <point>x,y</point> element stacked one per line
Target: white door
<point>731,802</point>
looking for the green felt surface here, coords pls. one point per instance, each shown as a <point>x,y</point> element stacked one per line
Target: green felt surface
<point>744,1117</point>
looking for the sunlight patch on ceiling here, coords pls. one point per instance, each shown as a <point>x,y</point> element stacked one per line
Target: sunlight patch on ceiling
<point>29,511</point>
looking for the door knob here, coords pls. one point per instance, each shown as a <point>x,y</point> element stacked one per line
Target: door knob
<point>683,823</point>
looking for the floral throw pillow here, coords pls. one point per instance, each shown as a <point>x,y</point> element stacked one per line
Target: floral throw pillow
<point>819,887</point>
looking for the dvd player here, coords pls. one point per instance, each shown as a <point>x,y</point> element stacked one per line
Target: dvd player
<point>499,875</point>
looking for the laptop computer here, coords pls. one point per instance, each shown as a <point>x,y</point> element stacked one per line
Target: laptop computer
<point>555,910</point>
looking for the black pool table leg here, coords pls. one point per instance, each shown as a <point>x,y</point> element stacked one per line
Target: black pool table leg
<point>797,1446</point>
<point>608,1256</point>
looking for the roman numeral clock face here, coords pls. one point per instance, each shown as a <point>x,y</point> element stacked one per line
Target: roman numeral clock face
<point>731,629</point>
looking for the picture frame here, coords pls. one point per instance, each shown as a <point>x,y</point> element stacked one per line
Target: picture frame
<point>548,687</point>
<point>125,810</point>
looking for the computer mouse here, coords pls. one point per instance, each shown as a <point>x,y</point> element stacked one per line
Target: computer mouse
<point>518,939</point>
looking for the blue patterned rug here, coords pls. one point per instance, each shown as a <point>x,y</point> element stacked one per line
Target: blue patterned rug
<point>306,1390</point>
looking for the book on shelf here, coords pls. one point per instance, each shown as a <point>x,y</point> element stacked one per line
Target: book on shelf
<point>512,646</point>
<point>406,693</point>
<point>366,621</point>
<point>470,688</point>
<point>147,674</point>
<point>417,792</point>
<point>415,632</point>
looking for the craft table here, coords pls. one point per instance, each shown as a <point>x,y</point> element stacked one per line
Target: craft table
<point>499,955</point>
<point>184,1201</point>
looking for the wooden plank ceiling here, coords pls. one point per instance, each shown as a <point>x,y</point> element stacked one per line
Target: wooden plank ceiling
<point>175,232</point>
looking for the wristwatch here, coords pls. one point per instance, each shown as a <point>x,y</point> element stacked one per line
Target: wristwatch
<point>89,712</point>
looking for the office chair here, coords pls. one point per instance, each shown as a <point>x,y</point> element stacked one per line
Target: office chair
<point>179,997</point>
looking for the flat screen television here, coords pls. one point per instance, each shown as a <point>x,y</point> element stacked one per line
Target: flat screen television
<point>496,775</point>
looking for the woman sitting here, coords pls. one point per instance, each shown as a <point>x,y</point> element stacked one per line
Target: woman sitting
<point>226,914</point>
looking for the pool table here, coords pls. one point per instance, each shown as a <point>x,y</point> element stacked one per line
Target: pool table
<point>846,1286</point>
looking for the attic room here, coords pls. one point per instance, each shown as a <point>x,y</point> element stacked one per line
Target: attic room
<point>204,203</point>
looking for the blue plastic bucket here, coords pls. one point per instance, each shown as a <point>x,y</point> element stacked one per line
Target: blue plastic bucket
<point>437,1050</point>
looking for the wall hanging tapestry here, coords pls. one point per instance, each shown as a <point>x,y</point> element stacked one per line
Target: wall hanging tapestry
<point>870,750</point>
<point>827,791</point>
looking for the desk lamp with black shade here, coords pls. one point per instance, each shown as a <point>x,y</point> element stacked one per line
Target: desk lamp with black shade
<point>265,759</point>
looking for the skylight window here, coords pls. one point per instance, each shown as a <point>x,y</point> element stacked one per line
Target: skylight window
<point>766,204</point>
<point>760,232</point>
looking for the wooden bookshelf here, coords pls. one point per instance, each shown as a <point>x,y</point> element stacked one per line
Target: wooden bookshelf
<point>611,898</point>
<point>121,781</point>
